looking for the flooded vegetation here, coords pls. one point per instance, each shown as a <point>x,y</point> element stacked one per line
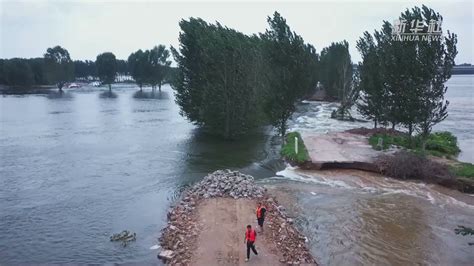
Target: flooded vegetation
<point>53,209</point>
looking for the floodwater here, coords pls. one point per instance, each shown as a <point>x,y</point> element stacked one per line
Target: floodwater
<point>79,166</point>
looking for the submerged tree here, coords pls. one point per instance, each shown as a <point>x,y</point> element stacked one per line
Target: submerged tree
<point>17,71</point>
<point>106,68</point>
<point>406,77</point>
<point>292,68</point>
<point>374,96</point>
<point>435,62</point>
<point>137,63</point>
<point>337,77</point>
<point>215,83</point>
<point>159,65</point>
<point>59,67</point>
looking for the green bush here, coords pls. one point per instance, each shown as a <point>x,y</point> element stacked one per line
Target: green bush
<point>288,149</point>
<point>443,142</point>
<point>437,144</point>
<point>464,170</point>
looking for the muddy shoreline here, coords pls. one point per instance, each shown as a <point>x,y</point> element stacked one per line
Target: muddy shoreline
<point>179,238</point>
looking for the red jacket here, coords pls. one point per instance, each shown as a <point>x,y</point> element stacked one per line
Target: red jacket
<point>250,235</point>
<point>261,211</point>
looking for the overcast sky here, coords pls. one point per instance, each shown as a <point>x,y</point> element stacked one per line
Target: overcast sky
<point>87,28</point>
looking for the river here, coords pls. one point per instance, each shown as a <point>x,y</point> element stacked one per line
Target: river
<point>79,166</point>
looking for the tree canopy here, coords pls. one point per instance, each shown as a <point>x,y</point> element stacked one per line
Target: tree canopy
<point>403,80</point>
<point>106,68</point>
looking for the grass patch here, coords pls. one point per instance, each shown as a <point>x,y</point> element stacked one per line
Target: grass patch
<point>464,170</point>
<point>288,148</point>
<point>438,144</point>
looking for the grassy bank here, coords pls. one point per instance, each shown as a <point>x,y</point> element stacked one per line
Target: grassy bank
<point>288,149</point>
<point>411,162</point>
<point>441,144</point>
<point>465,170</point>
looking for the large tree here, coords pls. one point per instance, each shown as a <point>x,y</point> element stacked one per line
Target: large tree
<point>159,65</point>
<point>411,72</point>
<point>138,66</point>
<point>106,68</point>
<point>59,67</point>
<point>215,84</point>
<point>292,70</point>
<point>373,102</point>
<point>336,69</point>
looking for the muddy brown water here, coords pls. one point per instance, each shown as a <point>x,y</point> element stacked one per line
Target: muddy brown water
<point>79,166</point>
<point>357,218</point>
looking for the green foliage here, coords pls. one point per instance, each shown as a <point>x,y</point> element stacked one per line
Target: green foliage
<point>288,149</point>
<point>292,68</point>
<point>464,170</point>
<point>138,64</point>
<point>229,82</point>
<point>443,142</point>
<point>17,71</point>
<point>159,65</point>
<point>373,97</point>
<point>218,81</point>
<point>58,67</point>
<point>84,69</point>
<point>106,67</point>
<point>403,81</point>
<point>336,70</point>
<point>437,144</point>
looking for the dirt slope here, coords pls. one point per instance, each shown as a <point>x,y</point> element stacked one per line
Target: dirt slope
<point>221,241</point>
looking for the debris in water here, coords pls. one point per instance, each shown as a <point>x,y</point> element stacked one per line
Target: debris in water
<point>125,236</point>
<point>155,247</point>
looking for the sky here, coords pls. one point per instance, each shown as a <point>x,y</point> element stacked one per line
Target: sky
<point>87,28</point>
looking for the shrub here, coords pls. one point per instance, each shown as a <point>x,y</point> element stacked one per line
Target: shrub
<point>437,144</point>
<point>408,165</point>
<point>288,149</point>
<point>464,170</point>
<point>443,142</point>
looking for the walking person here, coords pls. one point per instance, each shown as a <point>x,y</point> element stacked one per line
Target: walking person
<point>250,238</point>
<point>261,211</point>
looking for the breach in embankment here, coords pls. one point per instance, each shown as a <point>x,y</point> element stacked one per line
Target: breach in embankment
<point>207,226</point>
<point>388,152</point>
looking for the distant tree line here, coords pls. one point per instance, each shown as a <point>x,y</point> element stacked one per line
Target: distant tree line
<point>57,68</point>
<point>231,83</point>
<point>402,82</point>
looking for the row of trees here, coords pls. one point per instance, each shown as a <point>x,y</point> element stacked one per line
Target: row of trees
<point>56,68</point>
<point>150,66</point>
<point>402,82</point>
<point>338,77</point>
<point>230,82</point>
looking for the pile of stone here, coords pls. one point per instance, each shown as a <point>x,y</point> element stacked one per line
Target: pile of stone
<point>280,229</point>
<point>179,238</point>
<point>227,183</point>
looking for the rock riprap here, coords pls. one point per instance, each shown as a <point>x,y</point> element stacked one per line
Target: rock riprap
<point>227,183</point>
<point>178,238</point>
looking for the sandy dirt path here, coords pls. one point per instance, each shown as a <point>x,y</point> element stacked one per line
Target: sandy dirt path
<point>221,241</point>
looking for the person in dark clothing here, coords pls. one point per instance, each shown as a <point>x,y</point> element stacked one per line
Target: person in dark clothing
<point>250,238</point>
<point>261,210</point>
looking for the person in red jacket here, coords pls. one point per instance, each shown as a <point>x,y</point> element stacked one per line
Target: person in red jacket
<point>250,238</point>
<point>261,210</point>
